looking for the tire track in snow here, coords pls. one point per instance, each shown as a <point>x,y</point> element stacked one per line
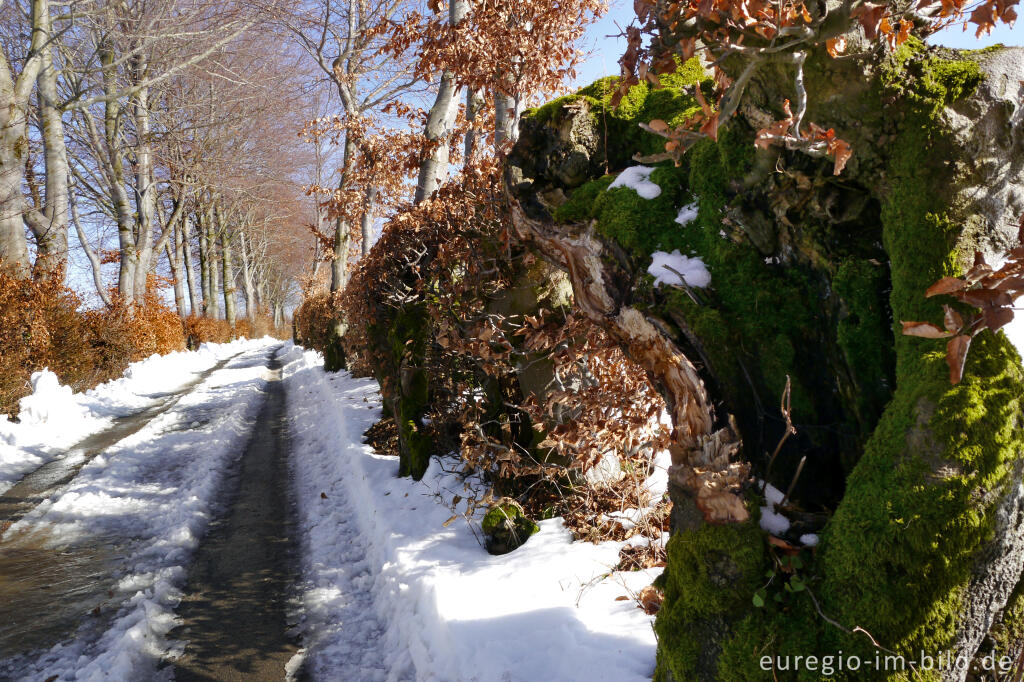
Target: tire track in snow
<point>47,480</point>
<point>119,534</point>
<point>234,614</point>
<point>343,635</point>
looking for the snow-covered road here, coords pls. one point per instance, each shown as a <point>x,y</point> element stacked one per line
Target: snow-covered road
<point>93,575</point>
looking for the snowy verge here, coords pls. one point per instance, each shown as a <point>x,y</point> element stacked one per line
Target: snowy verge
<point>440,607</point>
<point>53,418</point>
<point>150,499</point>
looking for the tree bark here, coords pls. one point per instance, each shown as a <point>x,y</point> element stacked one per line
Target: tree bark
<point>228,270</point>
<point>366,226</point>
<point>248,287</point>
<point>507,112</point>
<point>440,120</point>
<point>49,223</point>
<point>205,275</point>
<point>339,262</point>
<point>145,188</point>
<point>174,259</point>
<point>185,248</point>
<point>14,93</point>
<point>216,289</point>
<point>475,101</point>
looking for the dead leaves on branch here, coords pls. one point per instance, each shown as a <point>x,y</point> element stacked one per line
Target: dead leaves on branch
<point>815,141</point>
<point>992,292</point>
<point>753,32</point>
<point>517,47</point>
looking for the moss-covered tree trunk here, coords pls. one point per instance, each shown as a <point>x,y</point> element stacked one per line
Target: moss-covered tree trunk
<point>910,486</point>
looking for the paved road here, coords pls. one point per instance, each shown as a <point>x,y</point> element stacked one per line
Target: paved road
<point>235,614</point>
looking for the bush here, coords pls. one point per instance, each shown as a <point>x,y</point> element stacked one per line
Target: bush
<point>316,324</point>
<point>206,330</point>
<point>42,327</point>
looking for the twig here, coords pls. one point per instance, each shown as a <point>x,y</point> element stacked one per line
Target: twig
<point>792,484</point>
<point>790,430</point>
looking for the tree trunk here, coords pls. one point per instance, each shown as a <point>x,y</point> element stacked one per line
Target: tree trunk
<point>145,188</point>
<point>49,223</point>
<point>809,274</point>
<point>227,269</point>
<point>184,246</point>
<point>475,101</point>
<point>339,262</point>
<point>440,120</point>
<point>366,226</point>
<point>174,259</point>
<point>216,289</point>
<point>248,288</point>
<point>14,93</point>
<point>507,112</point>
<point>206,277</point>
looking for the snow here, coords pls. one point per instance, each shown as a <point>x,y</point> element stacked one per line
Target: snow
<point>53,419</point>
<point>638,178</point>
<point>393,593</point>
<point>772,521</point>
<point>809,540</point>
<point>152,494</point>
<point>687,214</point>
<point>666,268</point>
<point>389,589</point>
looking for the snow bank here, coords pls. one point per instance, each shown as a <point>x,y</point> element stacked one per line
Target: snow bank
<point>392,593</point>
<point>638,179</point>
<point>153,495</point>
<point>666,268</point>
<point>53,418</point>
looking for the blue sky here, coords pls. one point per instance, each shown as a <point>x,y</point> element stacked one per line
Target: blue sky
<point>603,51</point>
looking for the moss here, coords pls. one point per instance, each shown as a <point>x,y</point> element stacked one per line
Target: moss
<point>619,126</point>
<point>406,386</point>
<point>1008,635</point>
<point>711,578</point>
<point>864,336</point>
<point>928,459</point>
<point>334,351</point>
<point>899,550</point>
<point>507,526</point>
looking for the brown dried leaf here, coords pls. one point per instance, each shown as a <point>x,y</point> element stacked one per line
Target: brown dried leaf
<point>946,285</point>
<point>722,507</point>
<point>952,320</point>
<point>925,330</point>
<point>997,318</point>
<point>956,355</point>
<point>835,46</point>
<point>650,599</point>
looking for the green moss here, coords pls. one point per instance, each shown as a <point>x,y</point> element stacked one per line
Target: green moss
<point>1009,634</point>
<point>334,351</point>
<point>619,126</point>
<point>711,578</point>
<point>899,550</point>
<point>405,385</point>
<point>928,459</point>
<point>507,526</point>
<point>864,337</point>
